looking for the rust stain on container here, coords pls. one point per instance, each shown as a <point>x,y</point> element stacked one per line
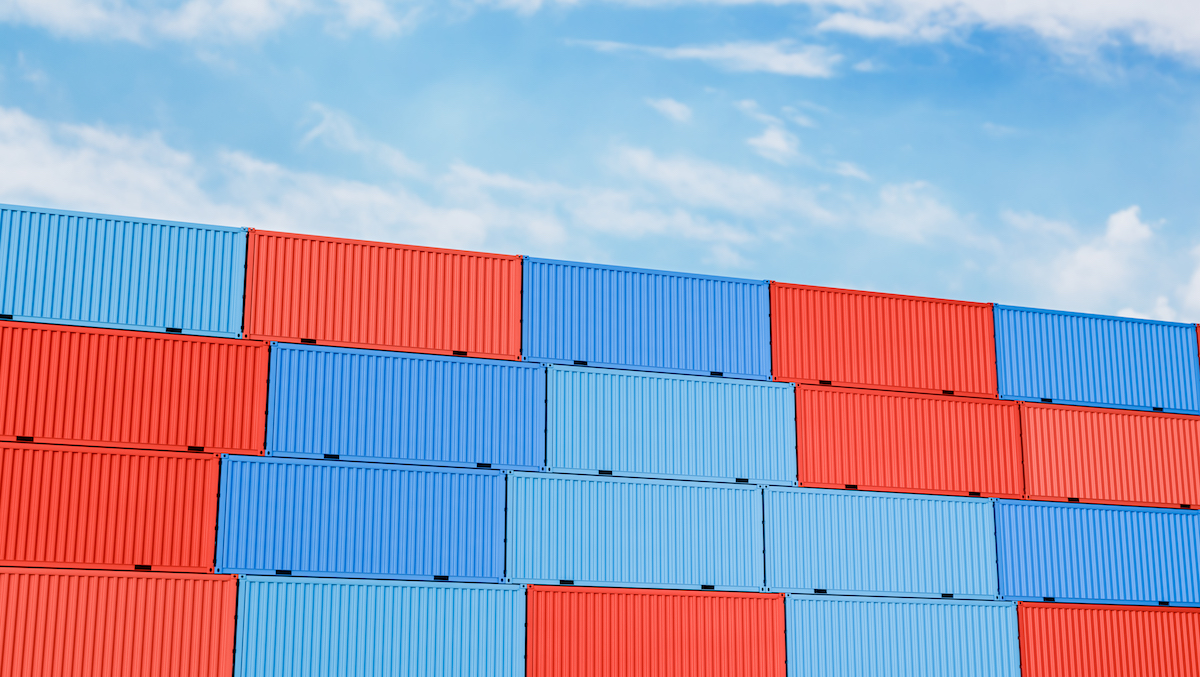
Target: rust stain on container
<point>377,295</point>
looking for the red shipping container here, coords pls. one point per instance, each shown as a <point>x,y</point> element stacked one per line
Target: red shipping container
<point>930,444</point>
<point>854,338</point>
<point>1111,455</point>
<point>65,623</point>
<point>95,508</point>
<point>602,632</point>
<point>1090,640</point>
<point>77,385</point>
<point>378,295</point>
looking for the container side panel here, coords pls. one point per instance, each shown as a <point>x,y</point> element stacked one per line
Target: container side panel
<point>389,406</point>
<point>658,425</point>
<point>596,632</point>
<point>1075,640</point>
<point>633,532</point>
<point>310,627</point>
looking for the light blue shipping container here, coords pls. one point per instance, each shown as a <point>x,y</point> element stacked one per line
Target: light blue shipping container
<point>375,405</point>
<point>120,273</point>
<point>606,316</point>
<point>868,636</point>
<point>641,424</point>
<point>1097,360</point>
<point>633,533</point>
<point>867,543</point>
<point>370,520</point>
<point>314,627</point>
<point>1099,554</point>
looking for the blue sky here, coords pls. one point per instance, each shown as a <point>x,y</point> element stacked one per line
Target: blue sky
<point>1028,152</point>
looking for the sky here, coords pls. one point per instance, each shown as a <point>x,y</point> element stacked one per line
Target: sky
<point>1030,152</point>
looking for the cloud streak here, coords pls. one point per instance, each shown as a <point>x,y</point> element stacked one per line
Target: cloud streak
<point>783,57</point>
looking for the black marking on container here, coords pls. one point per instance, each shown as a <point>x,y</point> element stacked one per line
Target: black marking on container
<point>283,572</point>
<point>819,591</point>
<point>483,465</point>
<point>604,472</point>
<point>708,587</point>
<point>974,493</point>
<point>947,595</point>
<point>947,392</point>
<point>441,578</point>
<point>742,480</point>
<point>716,373</point>
<point>851,486</point>
<point>1072,499</point>
<point>24,438</point>
<point>333,457</point>
<point>313,341</point>
<point>141,567</point>
<point>1047,399</point>
<point>580,363</point>
<point>1047,599</point>
<point>825,383</point>
<point>1164,604</point>
<point>174,330</point>
<point>566,581</point>
<point>5,316</point>
<point>193,448</point>
<point>1158,408</point>
<point>460,353</point>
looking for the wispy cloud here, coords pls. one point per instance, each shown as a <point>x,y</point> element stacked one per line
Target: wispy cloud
<point>783,57</point>
<point>671,109</point>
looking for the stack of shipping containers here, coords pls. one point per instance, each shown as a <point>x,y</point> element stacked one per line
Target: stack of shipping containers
<point>230,452</point>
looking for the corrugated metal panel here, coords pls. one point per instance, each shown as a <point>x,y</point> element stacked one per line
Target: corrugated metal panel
<point>930,444</point>
<point>1073,640</point>
<point>374,405</point>
<point>852,636</point>
<point>60,623</point>
<point>359,520</point>
<point>598,632</point>
<point>379,295</point>
<point>131,389</point>
<point>121,273</point>
<point>1093,553</point>
<point>635,533</point>
<point>855,338</point>
<point>1111,456</point>
<point>1097,360</point>
<point>847,542</point>
<point>646,319</point>
<point>655,425</point>
<point>106,509</point>
<point>312,627</point>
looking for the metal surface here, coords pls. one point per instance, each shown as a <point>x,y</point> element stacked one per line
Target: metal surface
<point>111,388</point>
<point>600,632</point>
<point>1074,640</point>
<point>633,533</point>
<point>646,319</point>
<point>313,627</point>
<point>1111,456</point>
<point>1101,554</point>
<point>881,441</point>
<point>94,508</point>
<point>1097,360</point>
<point>856,338</point>
<point>121,273</point>
<point>371,520</point>
<point>374,405</point>
<point>905,545</point>
<point>656,425</point>
<point>379,295</point>
<point>63,623</point>
<point>853,636</point>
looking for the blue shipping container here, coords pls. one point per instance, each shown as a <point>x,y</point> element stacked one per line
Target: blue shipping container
<point>867,543</point>
<point>375,405</point>
<point>630,318</point>
<point>314,627</point>
<point>1099,554</point>
<point>633,533</point>
<point>109,271</point>
<point>1097,360</point>
<point>641,424</point>
<point>856,636</point>
<point>372,520</point>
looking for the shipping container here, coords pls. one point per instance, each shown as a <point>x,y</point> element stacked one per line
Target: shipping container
<point>580,530</point>
<point>1111,456</point>
<point>930,444</point>
<point>93,508</point>
<point>360,520</point>
<point>1097,360</point>
<point>840,337</point>
<point>67,623</point>
<point>373,405</point>
<point>600,632</point>
<point>71,385</point>
<point>318,627</point>
<point>1098,554</point>
<point>629,318</point>
<point>853,636</point>
<point>899,545</point>
<point>1077,640</point>
<point>358,294</point>
<point>641,424</point>
<point>116,272</point>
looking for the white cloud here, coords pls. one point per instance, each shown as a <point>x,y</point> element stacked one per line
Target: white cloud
<point>783,57</point>
<point>999,131</point>
<point>776,144</point>
<point>851,171</point>
<point>671,109</point>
